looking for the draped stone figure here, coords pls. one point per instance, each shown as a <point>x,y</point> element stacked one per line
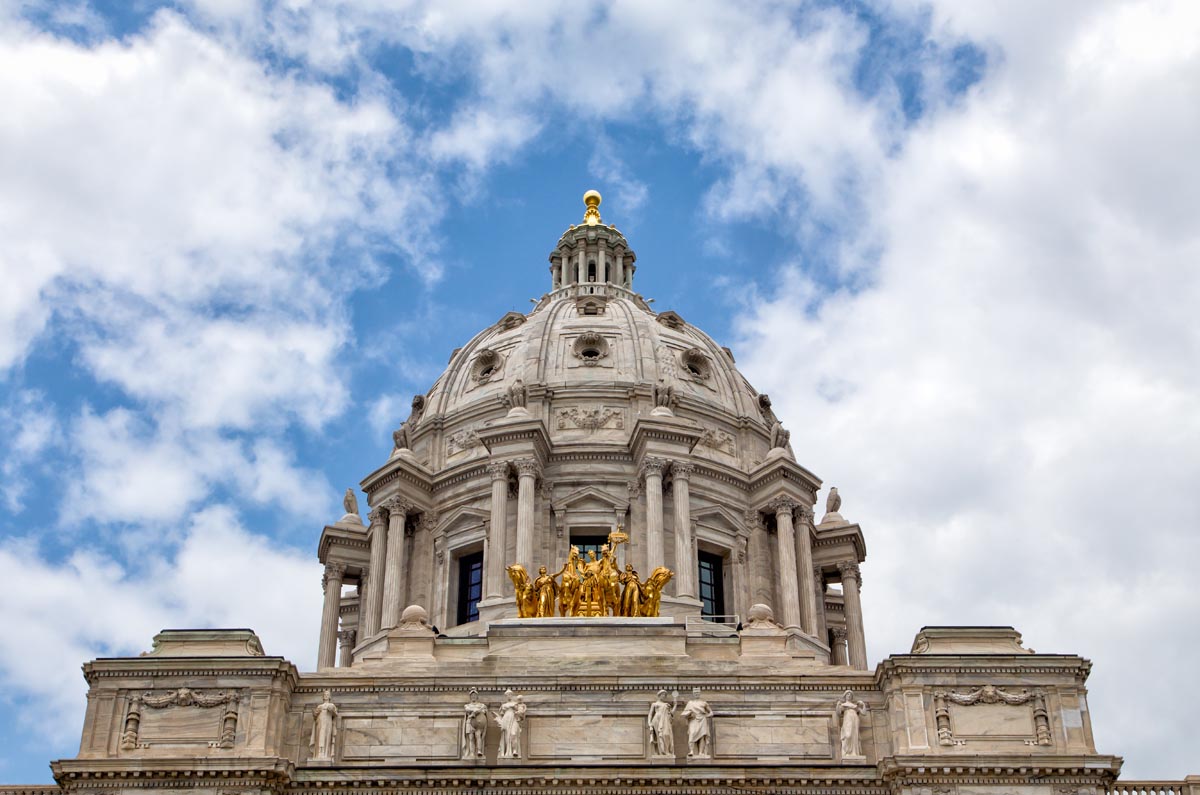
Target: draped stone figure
<point>324,732</point>
<point>699,717</point>
<point>509,719</point>
<point>474,729</point>
<point>658,719</point>
<point>847,713</point>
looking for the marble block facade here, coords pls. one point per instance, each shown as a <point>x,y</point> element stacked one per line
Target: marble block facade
<point>592,420</point>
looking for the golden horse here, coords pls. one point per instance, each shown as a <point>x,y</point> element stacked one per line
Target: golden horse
<point>652,590</point>
<point>526,600</point>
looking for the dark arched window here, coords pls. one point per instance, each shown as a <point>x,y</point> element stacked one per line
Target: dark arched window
<point>591,271</point>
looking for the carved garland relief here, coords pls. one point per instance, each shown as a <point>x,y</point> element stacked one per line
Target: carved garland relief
<point>184,697</point>
<point>590,418</point>
<point>990,695</point>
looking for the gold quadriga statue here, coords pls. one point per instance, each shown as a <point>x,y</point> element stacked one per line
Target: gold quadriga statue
<point>590,587</point>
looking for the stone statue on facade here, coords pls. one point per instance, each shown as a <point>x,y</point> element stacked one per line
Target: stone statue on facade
<point>509,719</point>
<point>324,731</point>
<point>350,502</point>
<point>474,729</point>
<point>664,399</point>
<point>400,437</point>
<point>847,714</point>
<point>658,719</point>
<point>699,717</point>
<point>515,398</point>
<point>833,502</point>
<point>780,436</point>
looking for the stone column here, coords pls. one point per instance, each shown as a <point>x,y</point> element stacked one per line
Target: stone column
<point>620,277</point>
<point>528,470</point>
<point>372,606</point>
<point>839,646</point>
<point>808,587</point>
<point>785,534</point>
<point>393,572</point>
<point>581,266</point>
<point>346,640</point>
<point>855,638</point>
<point>497,540</point>
<point>332,585</point>
<point>685,565</point>
<point>652,470</point>
<point>601,265</point>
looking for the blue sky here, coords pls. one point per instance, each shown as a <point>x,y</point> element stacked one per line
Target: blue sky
<point>957,246</point>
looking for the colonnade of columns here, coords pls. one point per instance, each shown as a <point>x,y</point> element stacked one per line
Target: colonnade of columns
<point>573,268</point>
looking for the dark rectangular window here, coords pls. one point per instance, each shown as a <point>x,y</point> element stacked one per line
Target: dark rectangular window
<point>712,585</point>
<point>586,543</point>
<point>470,586</point>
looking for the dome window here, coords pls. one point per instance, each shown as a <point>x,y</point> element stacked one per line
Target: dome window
<point>590,348</point>
<point>696,364</point>
<point>487,365</point>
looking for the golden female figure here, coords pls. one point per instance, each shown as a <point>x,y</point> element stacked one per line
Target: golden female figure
<point>545,590</point>
<point>631,596</point>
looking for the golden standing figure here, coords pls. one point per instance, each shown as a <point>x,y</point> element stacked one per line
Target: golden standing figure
<point>631,597</point>
<point>545,590</point>
<point>568,592</point>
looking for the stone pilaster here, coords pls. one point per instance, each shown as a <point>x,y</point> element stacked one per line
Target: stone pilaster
<point>346,639</point>
<point>497,538</point>
<point>528,471</point>
<point>393,577</point>
<point>331,583</point>
<point>372,605</point>
<point>685,564</point>
<point>652,471</point>
<point>785,534</point>
<point>855,638</point>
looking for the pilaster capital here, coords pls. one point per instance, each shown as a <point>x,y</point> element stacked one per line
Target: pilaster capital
<point>397,506</point>
<point>839,633</point>
<point>782,504</point>
<point>498,470</point>
<point>682,470</point>
<point>378,516</point>
<point>527,467</point>
<point>849,570</point>
<point>653,466</point>
<point>754,520</point>
<point>346,637</point>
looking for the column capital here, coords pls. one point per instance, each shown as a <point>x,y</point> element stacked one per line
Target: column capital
<point>528,466</point>
<point>849,569</point>
<point>653,466</point>
<point>397,505</point>
<point>782,504</point>
<point>839,633</point>
<point>346,637</point>
<point>498,470</point>
<point>378,516</point>
<point>682,470</point>
<point>333,571</point>
<point>804,513</point>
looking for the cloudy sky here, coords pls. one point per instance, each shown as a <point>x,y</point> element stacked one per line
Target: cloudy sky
<point>958,243</point>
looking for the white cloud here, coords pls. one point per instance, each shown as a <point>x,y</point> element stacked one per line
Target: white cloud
<point>1011,407</point>
<point>93,605</point>
<point>28,427</point>
<point>630,193</point>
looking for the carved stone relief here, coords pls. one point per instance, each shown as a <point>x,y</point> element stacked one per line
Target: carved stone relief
<point>462,440</point>
<point>590,418</point>
<point>998,724</point>
<point>183,730</point>
<point>719,440</point>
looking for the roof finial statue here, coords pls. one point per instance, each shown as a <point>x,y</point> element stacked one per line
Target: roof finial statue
<point>591,216</point>
<point>350,502</point>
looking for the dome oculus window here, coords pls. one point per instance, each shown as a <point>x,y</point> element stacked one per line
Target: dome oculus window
<point>590,348</point>
<point>695,363</point>
<point>487,364</point>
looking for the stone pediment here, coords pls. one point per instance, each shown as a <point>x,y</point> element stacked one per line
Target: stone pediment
<point>592,497</point>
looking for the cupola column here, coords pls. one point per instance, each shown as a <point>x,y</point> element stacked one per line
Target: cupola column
<point>564,266</point>
<point>346,640</point>
<point>855,638</point>
<point>808,580</point>
<point>393,577</point>
<point>497,539</point>
<point>619,277</point>
<point>839,646</point>
<point>685,566</point>
<point>331,583</point>
<point>652,470</point>
<point>785,534</point>
<point>373,601</point>
<point>602,265</point>
<point>528,470</point>
<point>581,266</point>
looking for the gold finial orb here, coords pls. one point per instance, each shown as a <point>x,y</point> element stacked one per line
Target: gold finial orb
<point>592,199</point>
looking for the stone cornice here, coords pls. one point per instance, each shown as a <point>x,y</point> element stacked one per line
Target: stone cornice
<point>399,468</point>
<point>784,469</point>
<point>121,774</point>
<point>189,668</point>
<point>915,665</point>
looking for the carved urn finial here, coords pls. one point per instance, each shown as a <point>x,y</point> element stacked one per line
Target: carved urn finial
<point>591,216</point>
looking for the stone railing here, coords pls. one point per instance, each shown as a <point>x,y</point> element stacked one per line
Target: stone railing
<point>1191,786</point>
